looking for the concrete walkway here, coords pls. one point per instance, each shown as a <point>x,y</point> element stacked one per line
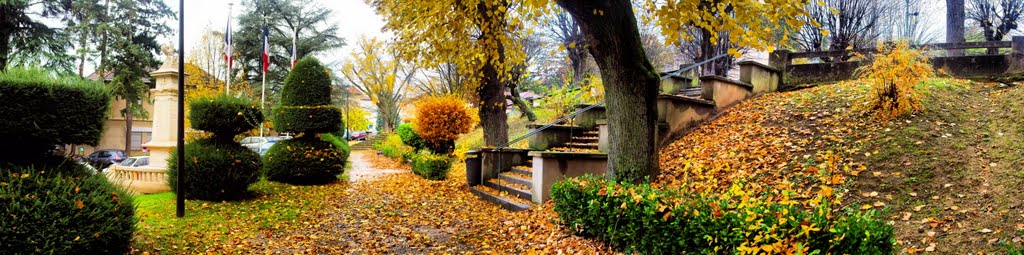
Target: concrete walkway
<point>362,169</point>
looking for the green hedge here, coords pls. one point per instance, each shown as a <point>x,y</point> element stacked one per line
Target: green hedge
<point>307,84</point>
<point>39,111</point>
<point>339,143</point>
<point>58,214</point>
<point>432,166</point>
<point>303,160</point>
<point>639,218</point>
<point>410,137</point>
<point>217,170</point>
<point>226,116</point>
<point>307,119</point>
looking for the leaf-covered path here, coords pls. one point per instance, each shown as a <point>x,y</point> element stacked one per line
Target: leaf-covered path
<point>364,170</point>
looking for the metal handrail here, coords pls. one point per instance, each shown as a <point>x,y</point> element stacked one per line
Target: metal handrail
<point>581,111</point>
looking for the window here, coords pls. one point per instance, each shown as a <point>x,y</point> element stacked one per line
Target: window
<point>102,154</point>
<point>139,138</point>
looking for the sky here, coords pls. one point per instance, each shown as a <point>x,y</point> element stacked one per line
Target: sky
<point>354,18</point>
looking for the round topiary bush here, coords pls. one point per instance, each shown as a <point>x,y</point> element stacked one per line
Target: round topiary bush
<point>308,119</point>
<point>53,213</point>
<point>307,84</point>
<point>40,111</point>
<point>339,143</point>
<point>216,170</point>
<point>225,116</point>
<point>440,120</point>
<point>303,161</point>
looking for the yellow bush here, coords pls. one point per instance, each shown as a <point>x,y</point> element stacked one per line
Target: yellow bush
<point>442,119</point>
<point>893,75</point>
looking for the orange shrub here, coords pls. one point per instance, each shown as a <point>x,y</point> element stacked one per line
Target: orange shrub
<point>442,119</point>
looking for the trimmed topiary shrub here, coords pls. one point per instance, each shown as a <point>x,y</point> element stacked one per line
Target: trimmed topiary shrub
<point>47,213</point>
<point>431,166</point>
<point>217,170</point>
<point>639,218</point>
<point>410,137</point>
<point>218,167</point>
<point>303,161</point>
<point>305,109</point>
<point>339,143</point>
<point>226,116</point>
<point>40,111</point>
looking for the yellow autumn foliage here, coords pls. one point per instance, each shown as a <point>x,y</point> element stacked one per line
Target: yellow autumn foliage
<point>893,76</point>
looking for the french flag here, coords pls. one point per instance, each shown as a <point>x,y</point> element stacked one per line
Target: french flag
<point>266,48</point>
<point>227,45</point>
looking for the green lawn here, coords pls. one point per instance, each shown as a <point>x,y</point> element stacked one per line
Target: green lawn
<point>220,226</point>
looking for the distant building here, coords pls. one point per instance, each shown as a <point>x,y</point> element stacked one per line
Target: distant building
<point>113,133</point>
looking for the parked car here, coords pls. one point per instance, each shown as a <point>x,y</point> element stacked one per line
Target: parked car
<point>135,161</point>
<point>270,142</point>
<point>255,142</point>
<point>360,136</point>
<point>103,158</point>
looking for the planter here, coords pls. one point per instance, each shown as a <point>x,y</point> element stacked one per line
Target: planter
<point>473,169</point>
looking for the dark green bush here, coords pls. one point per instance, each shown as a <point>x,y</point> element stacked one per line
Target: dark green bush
<point>43,213</point>
<point>40,111</point>
<point>307,84</point>
<point>431,166</point>
<point>639,218</point>
<point>339,143</point>
<point>217,170</point>
<point>226,116</point>
<point>303,160</point>
<point>410,137</point>
<point>307,119</point>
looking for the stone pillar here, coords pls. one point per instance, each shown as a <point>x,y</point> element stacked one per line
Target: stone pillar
<point>1016,57</point>
<point>153,178</point>
<point>165,114</point>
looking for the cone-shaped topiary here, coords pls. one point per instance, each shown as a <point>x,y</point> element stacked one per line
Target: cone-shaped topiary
<point>305,109</point>
<point>218,167</point>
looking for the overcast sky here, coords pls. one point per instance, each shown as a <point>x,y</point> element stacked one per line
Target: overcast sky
<point>354,18</point>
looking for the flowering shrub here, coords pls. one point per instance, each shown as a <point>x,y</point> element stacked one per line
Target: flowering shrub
<point>440,120</point>
<point>640,218</point>
<point>893,75</point>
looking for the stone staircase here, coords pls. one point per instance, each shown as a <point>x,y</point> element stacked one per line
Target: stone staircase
<point>368,143</point>
<point>564,151</point>
<point>585,142</point>
<point>511,190</point>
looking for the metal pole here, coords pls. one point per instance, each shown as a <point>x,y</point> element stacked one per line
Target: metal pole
<point>181,110</point>
<point>230,49</point>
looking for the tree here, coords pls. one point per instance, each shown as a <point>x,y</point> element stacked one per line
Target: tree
<point>208,55</point>
<point>995,19</point>
<point>25,39</point>
<point>381,76</point>
<point>631,82</point>
<point>955,24</point>
<point>357,119</point>
<point>561,28</point>
<point>306,20</point>
<point>843,24</point>
<point>443,80</point>
<point>478,36</point>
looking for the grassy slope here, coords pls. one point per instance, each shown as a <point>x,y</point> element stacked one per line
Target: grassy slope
<point>959,162</point>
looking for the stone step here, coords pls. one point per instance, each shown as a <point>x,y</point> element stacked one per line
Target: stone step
<point>514,178</point>
<point>581,145</point>
<point>691,92</point>
<point>505,203</point>
<point>585,139</point>
<point>591,133</point>
<point>524,170</point>
<point>508,187</point>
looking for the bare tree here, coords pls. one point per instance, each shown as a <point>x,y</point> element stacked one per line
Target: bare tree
<point>908,20</point>
<point>844,24</point>
<point>563,30</point>
<point>995,17</point>
<point>532,49</point>
<point>443,80</point>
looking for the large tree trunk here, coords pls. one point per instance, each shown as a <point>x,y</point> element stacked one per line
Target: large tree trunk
<point>631,85</point>
<point>492,90</point>
<point>955,25</point>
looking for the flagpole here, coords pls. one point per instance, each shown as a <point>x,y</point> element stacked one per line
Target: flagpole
<point>228,58</point>
<point>263,89</point>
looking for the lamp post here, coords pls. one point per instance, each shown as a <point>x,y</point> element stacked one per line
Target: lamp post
<point>180,207</point>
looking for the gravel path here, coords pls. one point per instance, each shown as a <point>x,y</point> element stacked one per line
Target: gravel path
<point>362,169</point>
